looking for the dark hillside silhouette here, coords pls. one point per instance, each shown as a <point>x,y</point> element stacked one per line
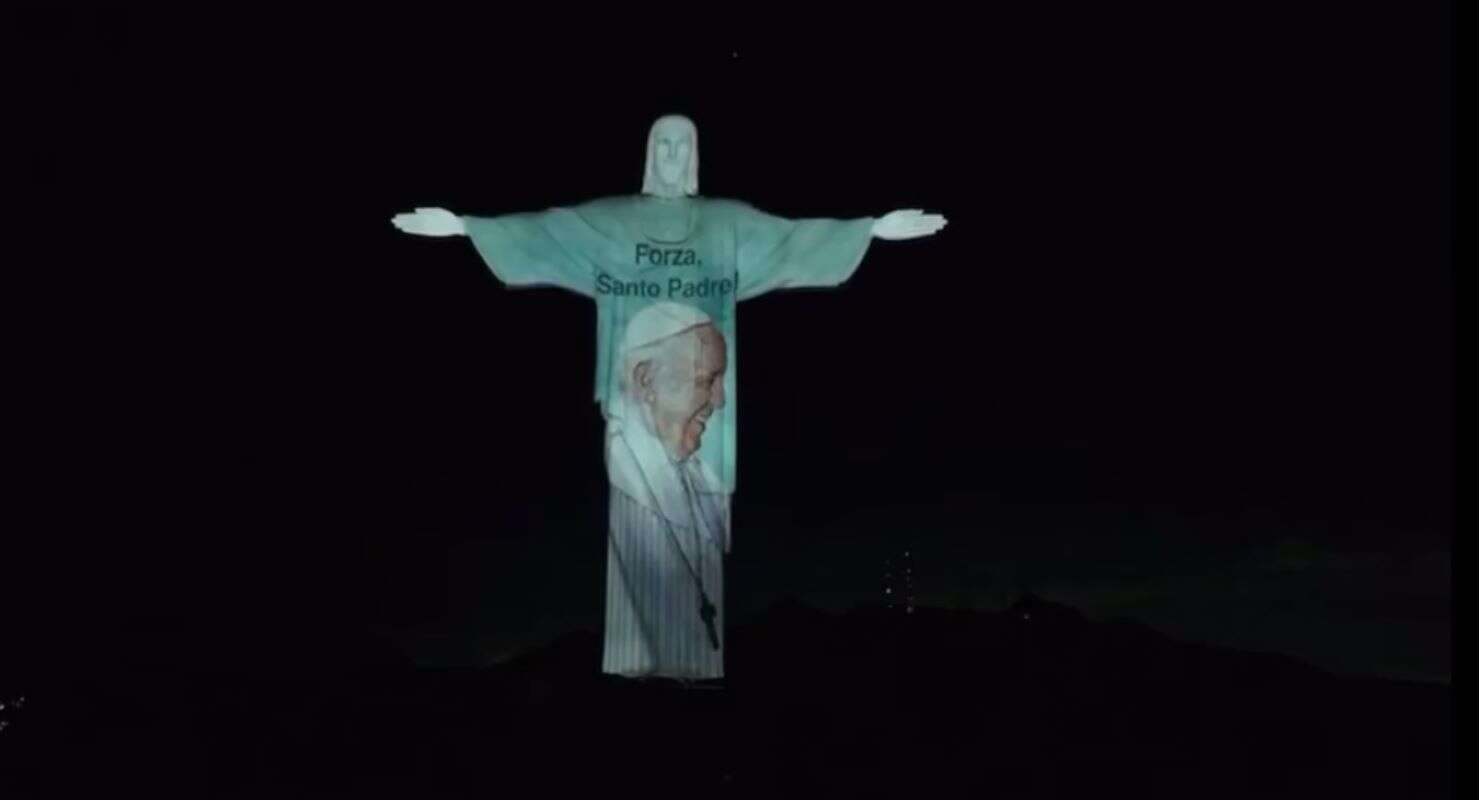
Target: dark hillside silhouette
<point>1033,701</point>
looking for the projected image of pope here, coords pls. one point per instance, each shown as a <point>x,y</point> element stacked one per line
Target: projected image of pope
<point>669,509</point>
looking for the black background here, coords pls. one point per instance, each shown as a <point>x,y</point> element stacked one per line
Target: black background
<point>1197,279</point>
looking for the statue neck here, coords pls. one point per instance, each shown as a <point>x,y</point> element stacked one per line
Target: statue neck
<point>668,219</point>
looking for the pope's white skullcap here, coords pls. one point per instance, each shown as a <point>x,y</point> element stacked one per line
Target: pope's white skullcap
<point>659,321</point>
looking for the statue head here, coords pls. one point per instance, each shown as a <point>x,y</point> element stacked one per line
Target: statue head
<point>672,158</point>
<point>673,361</point>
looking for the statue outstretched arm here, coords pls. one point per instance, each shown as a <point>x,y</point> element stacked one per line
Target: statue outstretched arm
<point>430,222</point>
<point>778,253</point>
<point>554,247</point>
<point>908,224</point>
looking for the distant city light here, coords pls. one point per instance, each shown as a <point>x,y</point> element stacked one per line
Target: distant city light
<point>905,580</point>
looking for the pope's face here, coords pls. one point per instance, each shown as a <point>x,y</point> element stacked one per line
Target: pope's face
<point>688,390</point>
<point>672,146</point>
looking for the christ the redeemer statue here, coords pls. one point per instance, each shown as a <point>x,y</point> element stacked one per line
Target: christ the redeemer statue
<point>666,268</point>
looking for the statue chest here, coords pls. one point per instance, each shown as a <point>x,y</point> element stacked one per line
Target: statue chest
<point>681,260</point>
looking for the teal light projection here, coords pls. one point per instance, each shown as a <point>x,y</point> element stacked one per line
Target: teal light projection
<point>666,269</point>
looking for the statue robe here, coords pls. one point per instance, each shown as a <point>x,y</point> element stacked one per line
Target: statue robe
<point>627,253</point>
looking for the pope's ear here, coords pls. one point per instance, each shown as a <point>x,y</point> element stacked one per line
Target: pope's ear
<point>642,374</point>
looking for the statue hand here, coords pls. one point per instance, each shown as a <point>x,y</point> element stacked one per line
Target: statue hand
<point>908,224</point>
<point>430,222</point>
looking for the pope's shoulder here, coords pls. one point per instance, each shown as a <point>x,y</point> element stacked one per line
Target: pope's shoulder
<point>619,456</point>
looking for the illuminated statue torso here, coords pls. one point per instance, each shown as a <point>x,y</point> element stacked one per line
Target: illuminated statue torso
<point>666,269</point>
<point>628,253</point>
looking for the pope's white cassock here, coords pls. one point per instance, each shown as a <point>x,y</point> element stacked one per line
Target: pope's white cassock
<point>669,515</point>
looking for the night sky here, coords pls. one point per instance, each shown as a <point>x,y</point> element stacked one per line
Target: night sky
<point>1184,354</point>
